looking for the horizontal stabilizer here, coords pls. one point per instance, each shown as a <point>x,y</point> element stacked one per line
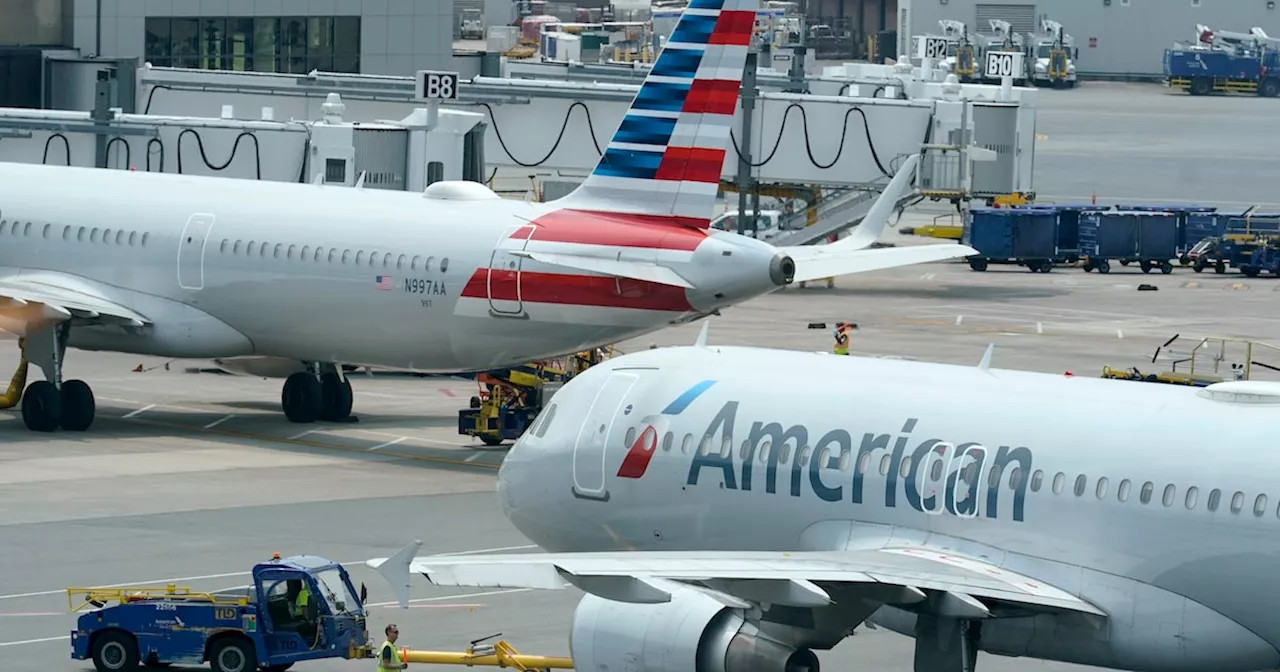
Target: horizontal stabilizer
<point>825,261</point>
<point>636,270</point>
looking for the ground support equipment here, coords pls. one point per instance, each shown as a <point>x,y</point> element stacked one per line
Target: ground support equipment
<point>1206,363</point>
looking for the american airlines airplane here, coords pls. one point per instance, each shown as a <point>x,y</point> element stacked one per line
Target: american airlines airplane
<point>451,280</point>
<point>726,509</point>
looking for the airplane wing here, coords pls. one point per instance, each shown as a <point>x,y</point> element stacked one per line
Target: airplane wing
<point>738,578</point>
<point>53,297</point>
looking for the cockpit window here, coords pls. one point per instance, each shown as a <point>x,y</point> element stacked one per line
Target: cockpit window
<point>541,429</point>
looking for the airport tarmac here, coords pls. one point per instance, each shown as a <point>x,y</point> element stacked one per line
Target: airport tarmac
<point>191,478</point>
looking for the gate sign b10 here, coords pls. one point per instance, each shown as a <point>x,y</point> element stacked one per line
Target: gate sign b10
<point>434,85</point>
<point>932,47</point>
<point>1003,64</point>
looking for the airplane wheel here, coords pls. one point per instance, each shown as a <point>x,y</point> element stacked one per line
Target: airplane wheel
<point>78,407</point>
<point>337,398</point>
<point>42,407</point>
<point>301,399</point>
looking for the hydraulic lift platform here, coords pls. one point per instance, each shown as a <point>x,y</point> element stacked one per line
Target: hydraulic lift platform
<point>1205,363</point>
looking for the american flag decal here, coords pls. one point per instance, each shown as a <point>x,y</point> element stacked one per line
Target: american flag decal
<point>383,283</point>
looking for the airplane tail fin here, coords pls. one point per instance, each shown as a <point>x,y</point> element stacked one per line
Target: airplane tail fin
<point>665,160</point>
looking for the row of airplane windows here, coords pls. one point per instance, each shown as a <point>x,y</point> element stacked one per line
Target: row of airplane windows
<point>332,255</point>
<point>82,234</point>
<point>1102,486</point>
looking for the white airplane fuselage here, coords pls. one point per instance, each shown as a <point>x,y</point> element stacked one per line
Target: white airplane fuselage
<point>1154,503</point>
<point>228,267</point>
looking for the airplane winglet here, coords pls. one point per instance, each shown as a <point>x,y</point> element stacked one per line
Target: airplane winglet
<point>395,570</point>
<point>702,335</point>
<point>985,364</point>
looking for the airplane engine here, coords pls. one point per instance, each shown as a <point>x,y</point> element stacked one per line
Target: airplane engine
<point>691,633</point>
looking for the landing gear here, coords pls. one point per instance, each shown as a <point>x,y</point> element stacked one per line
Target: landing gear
<point>310,396</point>
<point>946,644</point>
<point>51,403</point>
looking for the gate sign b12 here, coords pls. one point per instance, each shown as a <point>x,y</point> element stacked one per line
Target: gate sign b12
<point>1003,64</point>
<point>433,85</point>
<point>932,47</point>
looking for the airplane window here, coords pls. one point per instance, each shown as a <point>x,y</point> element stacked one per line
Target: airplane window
<point>319,253</point>
<point>145,236</point>
<point>80,233</point>
<point>306,252</point>
<point>1036,479</point>
<point>416,260</point>
<point>906,467</point>
<point>726,447</point>
<point>630,439</point>
<point>4,224</point>
<point>106,235</point>
<point>444,264</point>
<point>1059,479</point>
<point>542,426</point>
<point>236,250</point>
<point>400,261</point>
<point>784,453</point>
<point>119,235</point>
<point>26,230</point>
<point>764,451</point>
<point>49,227</point>
<point>1214,496</point>
<point>993,478</point>
<point>1080,483</point>
<point>66,234</point>
<point>426,265</point>
<point>686,444</point>
<point>386,260</point>
<point>705,446</point>
<point>1192,493</point>
<point>846,459</point>
<point>1015,477</point>
<point>223,248</point>
<point>293,249</point>
<point>132,236</point>
<point>373,259</point>
<point>864,462</point>
<point>359,257</point>
<point>667,440</point>
<point>884,465</point>
<point>93,235</point>
<point>803,459</point>
<point>279,250</point>
<point>1237,502</point>
<point>935,472</point>
<point>1103,483</point>
<point>333,253</point>
<point>746,450</point>
<point>1260,505</point>
<point>823,457</point>
<point>1169,492</point>
<point>250,248</point>
<point>1147,489</point>
<point>1122,492</point>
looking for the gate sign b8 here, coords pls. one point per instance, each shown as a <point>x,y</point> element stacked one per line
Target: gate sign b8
<point>933,47</point>
<point>1003,64</point>
<point>434,85</point>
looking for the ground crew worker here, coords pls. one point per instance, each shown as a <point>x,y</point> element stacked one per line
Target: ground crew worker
<point>389,655</point>
<point>841,346</point>
<point>300,601</point>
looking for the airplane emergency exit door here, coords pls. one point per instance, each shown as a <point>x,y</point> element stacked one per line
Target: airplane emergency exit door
<point>590,452</point>
<point>191,251</point>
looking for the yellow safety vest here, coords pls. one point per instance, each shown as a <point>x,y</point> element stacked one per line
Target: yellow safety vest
<point>842,344</point>
<point>300,602</point>
<point>395,657</point>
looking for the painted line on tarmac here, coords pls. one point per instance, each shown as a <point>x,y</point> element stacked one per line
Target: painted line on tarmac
<point>244,573</point>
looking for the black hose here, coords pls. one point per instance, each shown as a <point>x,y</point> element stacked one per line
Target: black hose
<point>559,138</point>
<point>808,144</point>
<point>159,144</point>
<point>257,153</point>
<point>65,144</point>
<point>128,151</point>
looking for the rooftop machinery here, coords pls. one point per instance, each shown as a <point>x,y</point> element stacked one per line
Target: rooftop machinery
<point>1052,53</point>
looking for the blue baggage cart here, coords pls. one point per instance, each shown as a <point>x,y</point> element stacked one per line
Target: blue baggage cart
<point>1195,222</point>
<point>1149,238</point>
<point>1069,227</point>
<point>1026,236</point>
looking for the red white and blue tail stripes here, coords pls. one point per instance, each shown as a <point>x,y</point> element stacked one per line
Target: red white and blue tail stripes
<point>667,156</point>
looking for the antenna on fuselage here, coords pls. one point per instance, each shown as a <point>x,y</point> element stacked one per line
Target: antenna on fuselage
<point>360,180</point>
<point>702,335</point>
<point>985,364</point>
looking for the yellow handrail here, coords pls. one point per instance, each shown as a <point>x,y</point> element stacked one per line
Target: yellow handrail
<point>97,597</point>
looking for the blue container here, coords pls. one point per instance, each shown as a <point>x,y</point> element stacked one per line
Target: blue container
<point>1201,225</point>
<point>1109,235</point>
<point>1158,235</point>
<point>1069,224</point>
<point>1012,233</point>
<point>1186,238</point>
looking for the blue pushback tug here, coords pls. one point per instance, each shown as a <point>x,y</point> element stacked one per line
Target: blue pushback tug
<point>240,631</point>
